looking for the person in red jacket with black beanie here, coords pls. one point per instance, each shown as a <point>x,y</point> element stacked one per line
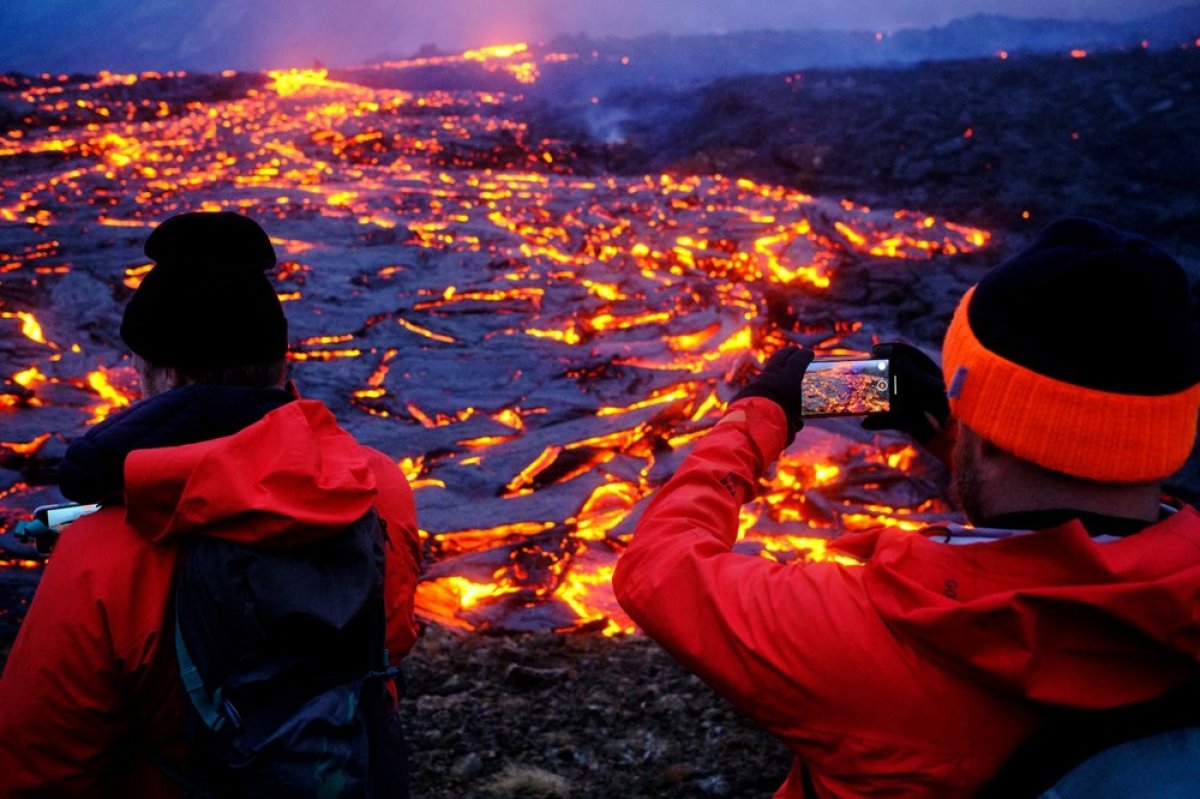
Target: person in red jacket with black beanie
<point>1073,375</point>
<point>221,446</point>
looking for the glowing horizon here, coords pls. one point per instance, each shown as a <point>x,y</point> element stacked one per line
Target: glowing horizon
<point>56,35</point>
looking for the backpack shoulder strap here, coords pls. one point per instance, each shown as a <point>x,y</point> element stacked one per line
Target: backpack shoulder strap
<point>209,707</point>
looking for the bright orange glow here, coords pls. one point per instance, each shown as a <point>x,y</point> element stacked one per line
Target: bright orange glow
<point>568,336</point>
<point>322,355</point>
<point>510,418</point>
<point>288,83</point>
<point>853,236</point>
<point>113,398</point>
<point>134,275</point>
<point>28,447</point>
<point>413,469</point>
<point>606,508</point>
<point>691,341</point>
<point>30,327</point>
<point>825,472</point>
<point>29,377</point>
<point>496,51</point>
<point>578,590</point>
<point>606,291</point>
<point>21,564</point>
<point>473,539</point>
<point>810,549</point>
<point>445,598</point>
<point>903,459</point>
<point>607,321</point>
<point>315,340</point>
<point>527,475</point>
<point>657,398</point>
<point>429,334</point>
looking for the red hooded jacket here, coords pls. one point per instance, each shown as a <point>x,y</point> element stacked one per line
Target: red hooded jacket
<point>910,675</point>
<point>92,685</point>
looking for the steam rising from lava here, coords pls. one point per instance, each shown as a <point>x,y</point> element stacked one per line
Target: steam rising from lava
<point>537,350</point>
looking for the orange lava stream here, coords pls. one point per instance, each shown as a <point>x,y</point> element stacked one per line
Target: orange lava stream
<point>648,293</point>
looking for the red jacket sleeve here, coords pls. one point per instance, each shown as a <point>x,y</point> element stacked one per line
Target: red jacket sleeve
<point>83,650</point>
<point>402,566</point>
<point>801,648</point>
<point>771,638</point>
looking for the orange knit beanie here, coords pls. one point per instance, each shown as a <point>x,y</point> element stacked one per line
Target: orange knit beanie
<point>1080,354</point>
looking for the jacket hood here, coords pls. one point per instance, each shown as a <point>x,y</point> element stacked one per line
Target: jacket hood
<point>291,477</point>
<point>1052,616</point>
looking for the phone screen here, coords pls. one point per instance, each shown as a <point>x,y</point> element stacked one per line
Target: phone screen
<point>846,388</point>
<point>57,517</point>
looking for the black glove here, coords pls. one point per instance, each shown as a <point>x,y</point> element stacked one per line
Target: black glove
<point>919,406</point>
<point>779,382</point>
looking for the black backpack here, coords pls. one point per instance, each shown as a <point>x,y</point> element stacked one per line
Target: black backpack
<point>1068,741</point>
<point>1102,753</point>
<point>282,657</point>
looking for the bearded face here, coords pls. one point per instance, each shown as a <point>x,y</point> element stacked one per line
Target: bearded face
<point>967,482</point>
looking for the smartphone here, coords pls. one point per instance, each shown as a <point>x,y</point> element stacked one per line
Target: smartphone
<point>847,387</point>
<point>56,517</point>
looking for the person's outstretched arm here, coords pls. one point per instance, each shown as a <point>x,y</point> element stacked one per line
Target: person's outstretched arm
<point>760,632</point>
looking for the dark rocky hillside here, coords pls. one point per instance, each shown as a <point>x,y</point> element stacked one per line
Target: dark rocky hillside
<point>1006,144</point>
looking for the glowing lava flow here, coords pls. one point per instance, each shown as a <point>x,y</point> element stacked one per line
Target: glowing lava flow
<point>537,350</point>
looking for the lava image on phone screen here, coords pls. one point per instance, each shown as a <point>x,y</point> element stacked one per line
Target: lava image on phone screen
<point>846,388</point>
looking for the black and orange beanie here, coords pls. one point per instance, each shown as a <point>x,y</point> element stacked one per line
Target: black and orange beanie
<point>1080,354</point>
<point>208,302</point>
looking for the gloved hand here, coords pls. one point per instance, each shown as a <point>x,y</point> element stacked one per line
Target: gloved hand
<point>779,382</point>
<point>919,407</point>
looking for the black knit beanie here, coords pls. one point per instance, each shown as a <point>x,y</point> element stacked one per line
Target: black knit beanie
<point>1081,354</point>
<point>207,303</point>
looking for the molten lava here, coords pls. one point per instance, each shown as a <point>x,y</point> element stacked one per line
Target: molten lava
<point>537,350</point>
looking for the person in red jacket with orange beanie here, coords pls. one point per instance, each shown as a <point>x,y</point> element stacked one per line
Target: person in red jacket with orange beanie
<point>220,446</point>
<point>1073,375</point>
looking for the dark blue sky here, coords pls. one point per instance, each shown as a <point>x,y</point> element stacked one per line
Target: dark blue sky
<point>89,34</point>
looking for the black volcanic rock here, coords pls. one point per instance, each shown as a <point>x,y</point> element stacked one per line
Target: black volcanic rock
<point>986,141</point>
